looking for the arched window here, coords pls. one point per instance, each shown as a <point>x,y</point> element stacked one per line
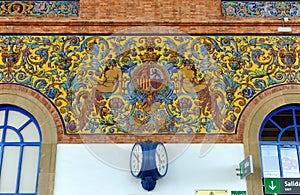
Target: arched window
<point>279,143</point>
<point>20,151</point>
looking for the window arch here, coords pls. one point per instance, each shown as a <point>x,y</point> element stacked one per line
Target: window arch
<point>279,143</point>
<point>251,121</point>
<point>51,127</point>
<point>20,151</point>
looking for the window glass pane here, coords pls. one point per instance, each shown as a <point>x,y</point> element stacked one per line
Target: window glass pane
<point>297,116</point>
<point>289,161</point>
<point>11,136</point>
<point>284,118</point>
<point>289,135</point>
<point>298,129</point>
<point>270,132</point>
<point>30,133</point>
<point>2,115</point>
<point>16,119</point>
<point>9,170</point>
<point>270,161</point>
<point>29,169</point>
<point>1,133</point>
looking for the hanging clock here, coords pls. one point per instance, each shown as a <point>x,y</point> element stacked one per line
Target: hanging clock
<point>137,159</point>
<point>161,160</point>
<point>149,162</point>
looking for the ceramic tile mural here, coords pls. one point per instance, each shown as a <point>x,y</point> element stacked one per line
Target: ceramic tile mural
<point>260,8</point>
<point>149,84</point>
<point>40,8</point>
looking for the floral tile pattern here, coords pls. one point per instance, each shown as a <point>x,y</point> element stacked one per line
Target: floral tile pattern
<point>260,8</point>
<point>150,84</point>
<point>40,8</point>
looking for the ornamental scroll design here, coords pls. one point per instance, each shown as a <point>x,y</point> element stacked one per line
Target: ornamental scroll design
<point>149,84</point>
<point>40,8</point>
<point>260,8</point>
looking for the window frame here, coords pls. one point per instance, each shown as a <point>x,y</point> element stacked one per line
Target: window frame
<point>278,143</point>
<point>21,144</point>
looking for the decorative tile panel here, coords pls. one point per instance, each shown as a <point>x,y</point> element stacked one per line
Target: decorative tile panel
<point>40,8</point>
<point>149,84</point>
<point>261,8</point>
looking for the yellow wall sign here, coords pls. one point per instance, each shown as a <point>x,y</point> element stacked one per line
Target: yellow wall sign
<point>211,192</point>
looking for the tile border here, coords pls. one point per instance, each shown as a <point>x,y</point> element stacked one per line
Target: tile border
<point>256,9</point>
<point>40,8</point>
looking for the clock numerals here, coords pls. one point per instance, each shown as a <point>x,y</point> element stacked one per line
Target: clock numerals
<point>136,160</point>
<point>161,159</point>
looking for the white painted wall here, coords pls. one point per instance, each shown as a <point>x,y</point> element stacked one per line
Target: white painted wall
<point>99,169</point>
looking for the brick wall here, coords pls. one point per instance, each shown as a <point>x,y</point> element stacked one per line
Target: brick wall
<point>107,16</point>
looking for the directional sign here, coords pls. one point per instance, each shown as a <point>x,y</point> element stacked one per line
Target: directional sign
<point>246,167</point>
<point>290,186</point>
<point>272,186</point>
<point>282,185</point>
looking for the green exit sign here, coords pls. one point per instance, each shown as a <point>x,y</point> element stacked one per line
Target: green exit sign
<point>238,192</point>
<point>272,185</point>
<point>246,167</point>
<point>282,185</point>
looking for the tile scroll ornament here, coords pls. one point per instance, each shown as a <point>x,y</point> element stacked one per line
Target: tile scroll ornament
<point>260,8</point>
<point>40,8</point>
<point>164,84</point>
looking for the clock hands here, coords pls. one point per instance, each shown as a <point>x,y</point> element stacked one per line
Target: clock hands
<point>159,157</point>
<point>136,160</point>
<point>161,160</point>
<point>136,156</point>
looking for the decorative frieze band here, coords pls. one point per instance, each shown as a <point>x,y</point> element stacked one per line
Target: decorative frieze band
<point>40,8</point>
<point>261,8</point>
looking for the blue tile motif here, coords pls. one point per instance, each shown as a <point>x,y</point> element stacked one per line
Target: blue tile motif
<point>260,8</point>
<point>40,8</point>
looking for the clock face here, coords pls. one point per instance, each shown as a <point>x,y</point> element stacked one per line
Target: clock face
<point>136,159</point>
<point>161,159</point>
